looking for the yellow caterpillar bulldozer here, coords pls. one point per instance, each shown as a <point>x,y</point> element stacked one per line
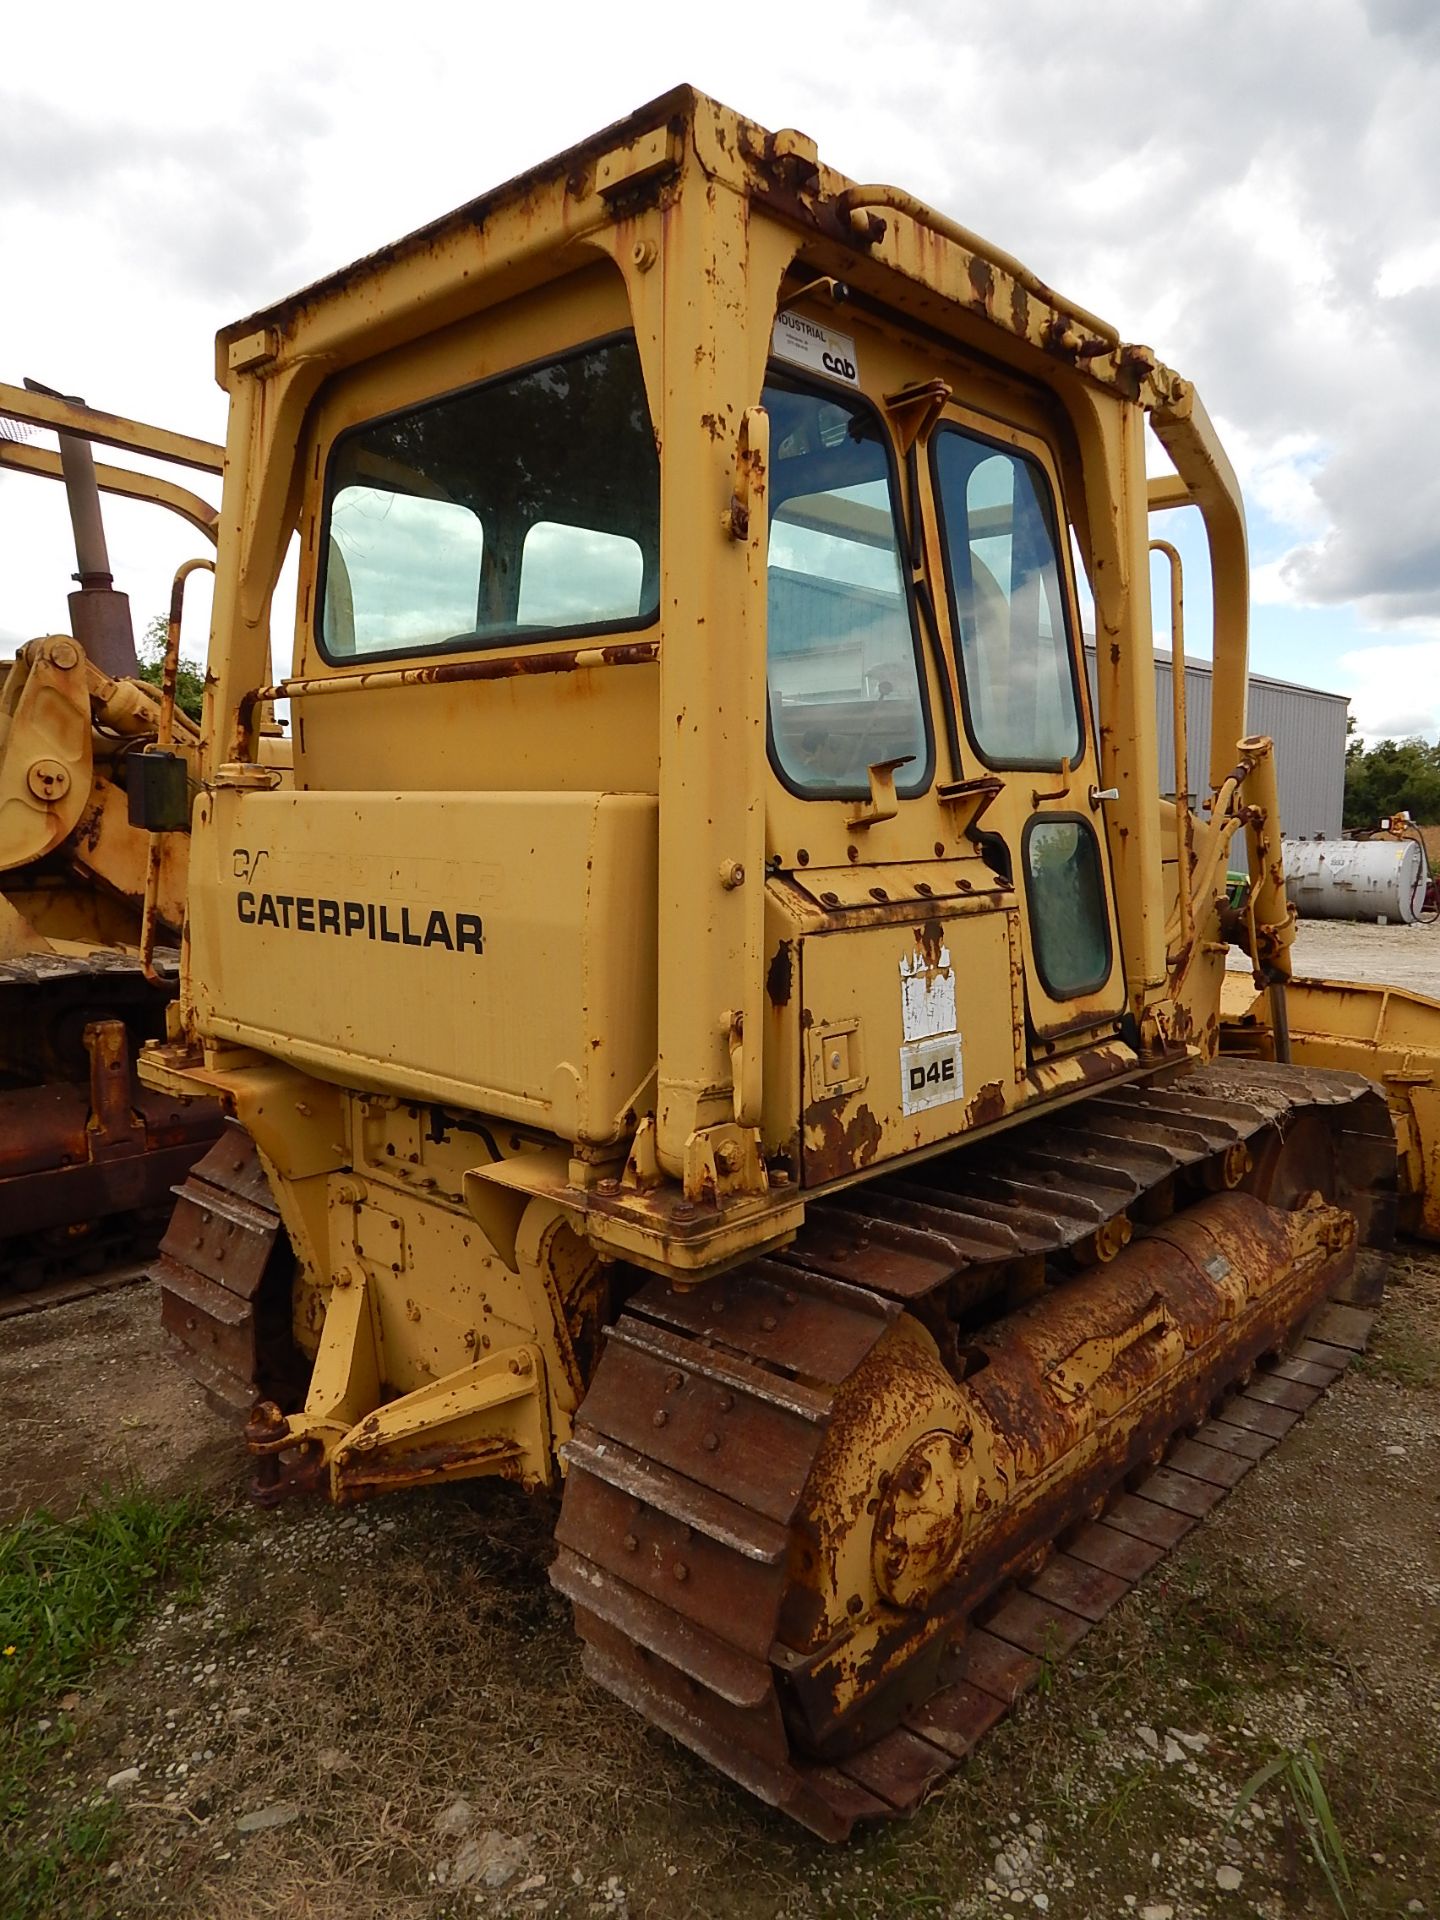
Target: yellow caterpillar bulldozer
<point>91,904</point>
<point>726,1031</point>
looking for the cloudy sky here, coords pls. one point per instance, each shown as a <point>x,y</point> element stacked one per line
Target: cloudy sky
<point>1250,186</point>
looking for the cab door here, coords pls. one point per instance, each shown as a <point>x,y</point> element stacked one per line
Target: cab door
<point>1015,641</point>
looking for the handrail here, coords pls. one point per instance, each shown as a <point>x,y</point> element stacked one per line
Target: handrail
<point>1184,824</point>
<point>854,200</point>
<point>507,666</point>
<point>164,740</point>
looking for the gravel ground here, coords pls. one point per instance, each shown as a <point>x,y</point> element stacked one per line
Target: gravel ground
<point>1355,950</point>
<point>382,1713</point>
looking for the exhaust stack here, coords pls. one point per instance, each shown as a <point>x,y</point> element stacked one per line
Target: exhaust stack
<point>99,614</point>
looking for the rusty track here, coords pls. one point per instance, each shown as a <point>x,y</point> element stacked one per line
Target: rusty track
<point>41,1274</point>
<point>87,1157</point>
<point>224,1272</point>
<point>683,1539</point>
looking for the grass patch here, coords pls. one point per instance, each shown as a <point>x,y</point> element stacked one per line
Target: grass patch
<point>68,1590</point>
<point>1407,1358</point>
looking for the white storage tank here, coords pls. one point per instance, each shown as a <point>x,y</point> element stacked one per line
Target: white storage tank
<point>1356,879</point>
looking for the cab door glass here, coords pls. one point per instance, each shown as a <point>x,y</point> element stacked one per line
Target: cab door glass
<point>1069,924</point>
<point>842,663</point>
<point>1008,609</point>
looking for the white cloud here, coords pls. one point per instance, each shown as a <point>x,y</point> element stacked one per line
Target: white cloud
<point>1394,688</point>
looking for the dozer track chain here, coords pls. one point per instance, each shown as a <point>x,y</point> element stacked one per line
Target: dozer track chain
<point>678,1536</point>
<point>223,1270</point>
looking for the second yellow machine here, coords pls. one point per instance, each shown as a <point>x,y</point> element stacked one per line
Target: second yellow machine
<point>725,1021</point>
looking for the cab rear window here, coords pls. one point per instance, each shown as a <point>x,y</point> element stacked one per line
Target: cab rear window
<point>524,507</point>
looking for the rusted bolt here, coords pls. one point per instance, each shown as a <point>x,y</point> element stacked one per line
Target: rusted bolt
<point>854,1604</point>
<point>674,1382</point>
<point>768,1322</point>
<point>660,1418</point>
<point>681,1571</point>
<point>682,1210</point>
<point>726,1402</point>
<point>520,1364</point>
<point>630,1543</point>
<point>607,1186</point>
<point>732,875</point>
<point>727,1157</point>
<point>644,253</point>
<point>790,1298</point>
<point>710,1442</point>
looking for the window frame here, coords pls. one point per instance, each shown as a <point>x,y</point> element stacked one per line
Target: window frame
<point>1071,818</point>
<point>823,389</point>
<point>1050,495</point>
<point>516,636</point>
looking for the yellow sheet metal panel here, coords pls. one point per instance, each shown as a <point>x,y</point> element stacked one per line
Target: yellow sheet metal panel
<point>493,951</point>
<point>908,1037</point>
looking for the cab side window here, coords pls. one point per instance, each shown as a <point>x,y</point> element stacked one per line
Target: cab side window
<point>843,671</point>
<point>1007,604</point>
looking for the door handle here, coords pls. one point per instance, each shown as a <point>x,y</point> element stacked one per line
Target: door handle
<point>1098,795</point>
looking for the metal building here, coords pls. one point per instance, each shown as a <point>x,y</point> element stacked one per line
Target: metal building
<point>1307,726</point>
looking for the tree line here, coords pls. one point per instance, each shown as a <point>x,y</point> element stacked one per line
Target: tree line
<point>1393,776</point>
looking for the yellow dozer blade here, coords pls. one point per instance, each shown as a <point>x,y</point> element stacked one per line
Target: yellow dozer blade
<point>1388,1034</point>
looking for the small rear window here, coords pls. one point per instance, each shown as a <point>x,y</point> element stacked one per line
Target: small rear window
<point>521,508</point>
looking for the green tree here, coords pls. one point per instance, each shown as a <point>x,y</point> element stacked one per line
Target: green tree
<point>189,682</point>
<point>1393,776</point>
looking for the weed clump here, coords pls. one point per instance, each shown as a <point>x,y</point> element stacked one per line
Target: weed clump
<point>69,1590</point>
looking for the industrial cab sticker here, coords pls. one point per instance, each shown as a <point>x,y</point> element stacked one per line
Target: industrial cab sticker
<point>820,349</point>
<point>932,1071</point>
<point>363,920</point>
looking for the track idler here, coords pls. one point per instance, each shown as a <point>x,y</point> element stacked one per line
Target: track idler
<point>928,1494</point>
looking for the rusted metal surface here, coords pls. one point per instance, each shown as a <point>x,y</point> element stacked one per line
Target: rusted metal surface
<point>39,408</point>
<point>818,1544</point>
<point>118,480</point>
<point>224,1271</point>
<point>86,1143</point>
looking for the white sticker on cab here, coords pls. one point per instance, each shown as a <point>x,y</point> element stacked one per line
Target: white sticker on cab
<point>931,1073</point>
<point>927,996</point>
<point>804,343</point>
